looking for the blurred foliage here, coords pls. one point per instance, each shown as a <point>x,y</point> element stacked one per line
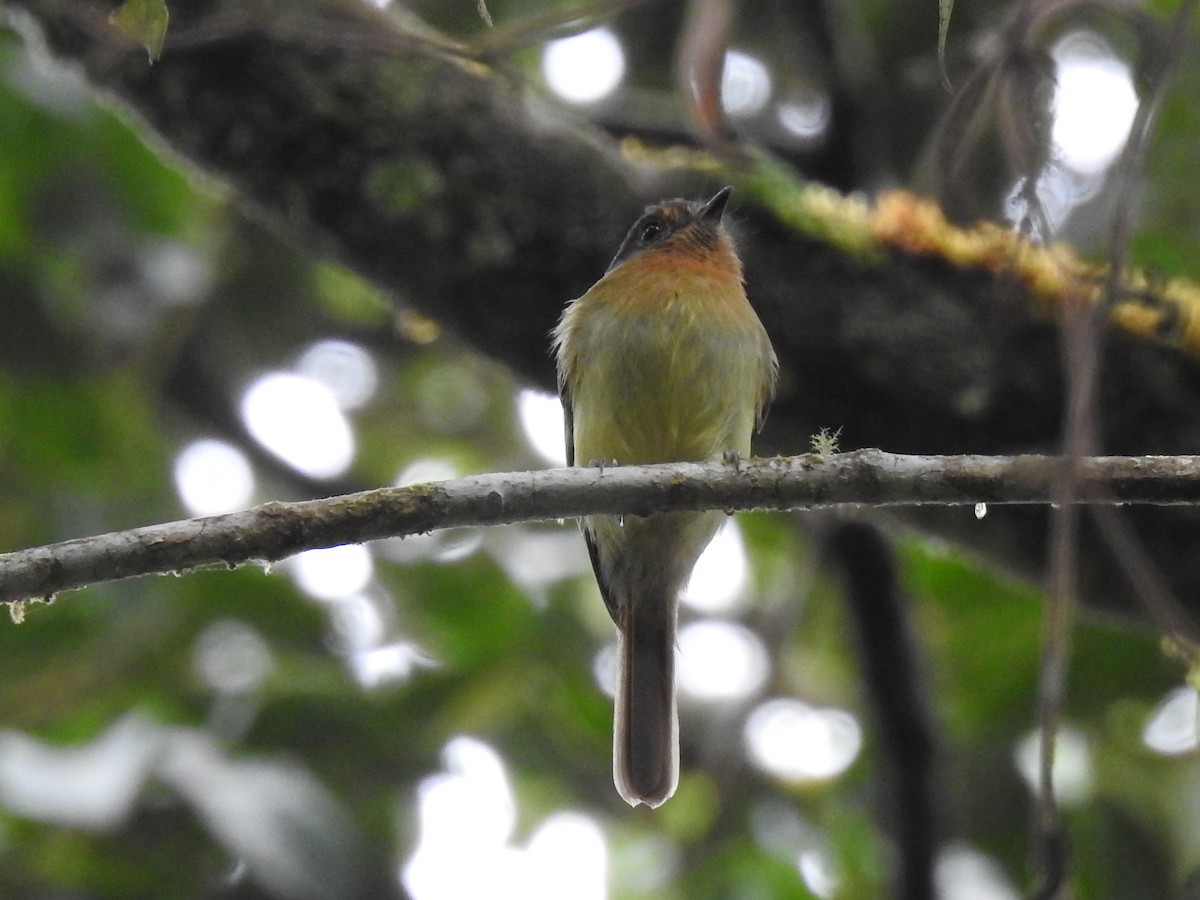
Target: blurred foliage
<point>140,303</point>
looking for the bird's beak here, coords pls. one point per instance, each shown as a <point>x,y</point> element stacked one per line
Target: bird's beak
<point>712,210</point>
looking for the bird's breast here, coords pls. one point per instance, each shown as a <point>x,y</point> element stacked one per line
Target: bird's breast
<point>665,362</point>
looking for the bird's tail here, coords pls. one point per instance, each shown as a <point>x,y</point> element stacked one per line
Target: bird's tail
<point>646,727</point>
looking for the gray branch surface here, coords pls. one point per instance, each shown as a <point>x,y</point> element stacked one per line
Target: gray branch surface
<point>874,478</point>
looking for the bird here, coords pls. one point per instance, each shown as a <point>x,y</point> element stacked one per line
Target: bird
<point>661,360</point>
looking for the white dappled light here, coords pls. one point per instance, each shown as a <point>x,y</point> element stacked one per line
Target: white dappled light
<point>745,84</point>
<point>541,416</point>
<point>721,660</point>
<point>213,477</point>
<point>798,742</point>
<point>345,368</point>
<point>585,67</point>
<point>298,420</point>
<point>1073,772</point>
<point>720,575</point>
<point>1174,729</point>
<point>1094,102</point>
<point>333,573</point>
<point>467,819</point>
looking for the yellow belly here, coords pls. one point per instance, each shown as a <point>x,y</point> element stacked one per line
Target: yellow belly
<point>664,390</point>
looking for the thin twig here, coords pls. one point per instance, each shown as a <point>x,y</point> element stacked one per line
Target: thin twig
<point>1081,361</point>
<point>1152,589</point>
<point>548,25</point>
<point>699,65</point>
<point>1082,337</point>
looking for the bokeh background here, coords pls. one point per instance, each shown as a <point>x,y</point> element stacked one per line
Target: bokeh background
<point>433,715</point>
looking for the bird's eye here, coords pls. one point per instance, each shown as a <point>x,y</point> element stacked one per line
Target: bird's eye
<point>650,231</point>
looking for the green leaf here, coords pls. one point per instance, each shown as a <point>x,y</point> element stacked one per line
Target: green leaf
<point>145,20</point>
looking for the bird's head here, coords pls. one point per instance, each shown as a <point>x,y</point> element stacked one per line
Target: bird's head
<point>690,227</point>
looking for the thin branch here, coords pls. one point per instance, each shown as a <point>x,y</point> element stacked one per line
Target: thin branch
<point>547,25</point>
<point>699,65</point>
<point>274,531</point>
<point>1146,578</point>
<point>1082,340</point>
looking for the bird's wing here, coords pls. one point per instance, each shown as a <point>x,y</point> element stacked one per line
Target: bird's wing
<point>766,391</point>
<point>606,592</point>
<point>610,600</point>
<point>564,394</point>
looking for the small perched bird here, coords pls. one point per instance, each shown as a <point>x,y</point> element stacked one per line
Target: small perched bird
<point>662,360</point>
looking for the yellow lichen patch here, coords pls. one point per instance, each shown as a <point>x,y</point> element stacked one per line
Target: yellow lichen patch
<point>1187,299</point>
<point>1139,320</point>
<point>1055,278</point>
<point>907,222</point>
<point>903,221</point>
<point>416,327</point>
<point>1166,311</point>
<point>672,158</point>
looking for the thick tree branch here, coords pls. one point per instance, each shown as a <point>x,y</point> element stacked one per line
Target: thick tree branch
<point>274,531</point>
